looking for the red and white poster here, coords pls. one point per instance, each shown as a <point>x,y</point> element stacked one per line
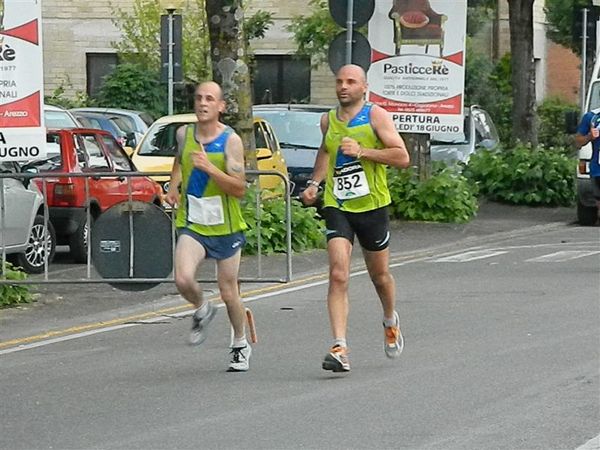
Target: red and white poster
<point>22,132</point>
<point>417,63</point>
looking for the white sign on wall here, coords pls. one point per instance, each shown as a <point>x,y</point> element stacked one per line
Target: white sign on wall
<point>22,132</point>
<point>417,63</point>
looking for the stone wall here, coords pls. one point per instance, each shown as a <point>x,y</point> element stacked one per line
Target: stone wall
<point>72,28</point>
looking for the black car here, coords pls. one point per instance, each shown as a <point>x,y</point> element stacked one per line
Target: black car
<point>298,128</point>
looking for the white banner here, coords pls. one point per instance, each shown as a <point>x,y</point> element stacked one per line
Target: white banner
<point>417,63</point>
<point>22,131</point>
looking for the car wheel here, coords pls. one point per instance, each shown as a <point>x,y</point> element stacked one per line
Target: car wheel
<point>586,215</point>
<point>41,245</point>
<point>78,242</point>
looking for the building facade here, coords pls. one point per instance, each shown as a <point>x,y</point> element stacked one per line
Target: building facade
<point>77,37</point>
<point>78,51</point>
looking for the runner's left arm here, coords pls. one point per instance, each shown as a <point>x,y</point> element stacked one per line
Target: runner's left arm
<point>233,180</point>
<point>394,152</point>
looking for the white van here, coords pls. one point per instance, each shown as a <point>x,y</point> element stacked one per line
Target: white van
<point>587,212</point>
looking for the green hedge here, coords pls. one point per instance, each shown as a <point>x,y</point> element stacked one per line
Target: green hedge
<point>445,197</point>
<point>308,231</point>
<point>525,176</point>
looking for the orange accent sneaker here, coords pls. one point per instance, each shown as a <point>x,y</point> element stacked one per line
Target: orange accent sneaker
<point>393,343</point>
<point>337,359</point>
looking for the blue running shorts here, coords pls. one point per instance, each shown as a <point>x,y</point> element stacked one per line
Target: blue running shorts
<point>217,247</point>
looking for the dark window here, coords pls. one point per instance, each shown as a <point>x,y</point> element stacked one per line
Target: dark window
<point>98,65</point>
<point>270,137</point>
<point>281,79</point>
<point>259,137</point>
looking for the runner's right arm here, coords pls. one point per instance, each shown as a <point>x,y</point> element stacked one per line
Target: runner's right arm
<point>584,131</point>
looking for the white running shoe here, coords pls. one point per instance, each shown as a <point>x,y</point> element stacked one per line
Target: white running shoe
<point>198,333</point>
<point>240,359</point>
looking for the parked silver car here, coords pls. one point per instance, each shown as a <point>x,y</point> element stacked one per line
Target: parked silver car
<point>23,233</point>
<point>479,133</point>
<point>57,117</point>
<point>133,123</point>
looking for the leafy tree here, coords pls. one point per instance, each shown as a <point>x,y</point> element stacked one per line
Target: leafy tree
<point>140,28</point>
<point>314,32</point>
<point>141,37</point>
<point>560,14</point>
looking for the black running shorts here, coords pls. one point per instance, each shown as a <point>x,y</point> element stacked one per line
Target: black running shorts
<point>372,228</point>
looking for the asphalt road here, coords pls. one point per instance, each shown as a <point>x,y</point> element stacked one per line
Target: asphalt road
<point>501,353</point>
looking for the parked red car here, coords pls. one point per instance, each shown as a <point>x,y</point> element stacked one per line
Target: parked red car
<point>80,151</point>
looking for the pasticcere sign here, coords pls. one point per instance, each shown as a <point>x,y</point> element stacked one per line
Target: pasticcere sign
<point>22,132</point>
<point>417,63</point>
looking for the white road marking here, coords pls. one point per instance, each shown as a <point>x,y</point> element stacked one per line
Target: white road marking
<point>564,255</point>
<point>470,256</point>
<point>592,444</point>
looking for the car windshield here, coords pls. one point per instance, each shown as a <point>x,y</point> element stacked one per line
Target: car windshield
<point>59,119</point>
<point>160,140</point>
<point>124,123</point>
<point>295,128</point>
<point>594,96</point>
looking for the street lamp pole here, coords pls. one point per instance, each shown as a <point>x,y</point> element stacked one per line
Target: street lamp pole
<point>349,30</point>
<point>170,6</point>
<point>170,11</point>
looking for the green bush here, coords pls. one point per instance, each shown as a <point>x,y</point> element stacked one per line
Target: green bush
<point>552,132</point>
<point>132,86</point>
<point>14,294</point>
<point>308,232</point>
<point>524,176</point>
<point>58,98</point>
<point>445,197</point>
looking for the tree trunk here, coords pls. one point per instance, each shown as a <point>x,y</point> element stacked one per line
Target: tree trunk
<point>524,121</point>
<point>420,154</point>
<point>230,69</point>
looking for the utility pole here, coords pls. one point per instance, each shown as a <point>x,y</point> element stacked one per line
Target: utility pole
<point>170,6</point>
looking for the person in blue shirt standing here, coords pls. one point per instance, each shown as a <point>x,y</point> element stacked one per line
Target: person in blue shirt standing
<point>589,131</point>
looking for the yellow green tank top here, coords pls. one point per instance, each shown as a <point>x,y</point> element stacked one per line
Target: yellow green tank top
<point>354,185</point>
<point>203,207</point>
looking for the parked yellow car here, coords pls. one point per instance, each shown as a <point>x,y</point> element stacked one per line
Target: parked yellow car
<point>157,148</point>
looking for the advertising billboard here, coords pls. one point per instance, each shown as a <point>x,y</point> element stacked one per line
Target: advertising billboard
<point>417,63</point>
<point>22,132</point>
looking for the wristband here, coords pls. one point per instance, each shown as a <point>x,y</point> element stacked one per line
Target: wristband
<point>360,152</point>
<point>312,183</point>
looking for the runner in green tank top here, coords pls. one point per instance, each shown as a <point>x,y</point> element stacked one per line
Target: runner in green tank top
<point>207,182</point>
<point>359,141</point>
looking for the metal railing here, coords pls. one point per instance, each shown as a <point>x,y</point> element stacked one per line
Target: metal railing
<point>88,279</point>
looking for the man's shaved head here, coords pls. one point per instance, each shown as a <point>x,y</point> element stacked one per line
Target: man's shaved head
<point>212,87</point>
<point>354,71</point>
